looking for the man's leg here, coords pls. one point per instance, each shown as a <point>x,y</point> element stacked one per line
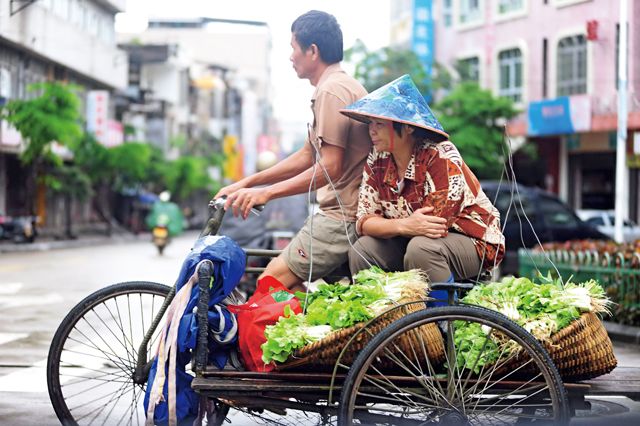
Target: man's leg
<point>278,269</point>
<point>440,257</point>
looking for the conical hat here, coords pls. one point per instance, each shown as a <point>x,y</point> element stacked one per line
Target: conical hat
<point>398,101</point>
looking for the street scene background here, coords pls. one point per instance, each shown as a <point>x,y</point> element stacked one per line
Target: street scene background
<point>152,97</point>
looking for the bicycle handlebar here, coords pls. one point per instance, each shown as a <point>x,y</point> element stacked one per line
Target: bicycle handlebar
<point>216,213</point>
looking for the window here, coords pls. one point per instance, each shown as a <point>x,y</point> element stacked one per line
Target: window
<point>510,78</point>
<point>595,221</point>
<point>556,214</point>
<point>470,11</point>
<point>510,6</point>
<point>469,69</point>
<point>519,207</point>
<point>572,66</point>
<point>447,13</point>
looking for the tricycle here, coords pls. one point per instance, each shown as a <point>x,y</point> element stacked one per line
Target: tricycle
<point>411,365</point>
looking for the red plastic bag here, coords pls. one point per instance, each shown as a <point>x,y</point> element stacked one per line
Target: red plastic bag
<point>263,308</point>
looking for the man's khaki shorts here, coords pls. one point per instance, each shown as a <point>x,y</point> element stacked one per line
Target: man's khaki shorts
<point>323,240</point>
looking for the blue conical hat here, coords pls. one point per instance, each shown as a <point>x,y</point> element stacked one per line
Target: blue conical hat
<point>399,101</point>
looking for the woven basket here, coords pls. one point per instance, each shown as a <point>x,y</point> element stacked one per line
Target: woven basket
<point>583,350</point>
<point>324,352</point>
<point>580,351</point>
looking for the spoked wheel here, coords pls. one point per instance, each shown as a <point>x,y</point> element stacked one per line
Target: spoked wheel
<point>492,372</point>
<point>94,352</point>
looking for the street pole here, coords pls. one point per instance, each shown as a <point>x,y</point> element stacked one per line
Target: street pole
<point>622,192</point>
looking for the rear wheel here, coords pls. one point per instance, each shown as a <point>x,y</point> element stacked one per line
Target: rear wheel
<point>94,352</point>
<point>494,372</point>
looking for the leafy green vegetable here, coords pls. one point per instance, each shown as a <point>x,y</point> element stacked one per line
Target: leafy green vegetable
<point>541,308</point>
<point>337,306</point>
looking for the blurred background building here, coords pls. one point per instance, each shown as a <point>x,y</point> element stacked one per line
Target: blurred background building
<point>72,41</point>
<point>558,61</point>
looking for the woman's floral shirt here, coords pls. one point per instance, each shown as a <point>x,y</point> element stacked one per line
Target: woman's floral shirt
<point>438,177</point>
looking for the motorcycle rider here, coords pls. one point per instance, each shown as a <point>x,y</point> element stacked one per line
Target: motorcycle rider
<point>166,213</point>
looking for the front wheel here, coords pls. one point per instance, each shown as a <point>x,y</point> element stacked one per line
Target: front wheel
<point>494,372</point>
<point>94,352</point>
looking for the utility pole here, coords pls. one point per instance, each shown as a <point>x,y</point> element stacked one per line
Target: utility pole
<point>622,192</point>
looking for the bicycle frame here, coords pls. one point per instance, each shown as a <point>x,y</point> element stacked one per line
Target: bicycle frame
<point>216,214</point>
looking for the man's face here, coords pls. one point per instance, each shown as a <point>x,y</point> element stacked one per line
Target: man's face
<point>301,59</point>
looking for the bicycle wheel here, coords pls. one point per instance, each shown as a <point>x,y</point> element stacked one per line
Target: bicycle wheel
<point>94,352</point>
<point>494,372</point>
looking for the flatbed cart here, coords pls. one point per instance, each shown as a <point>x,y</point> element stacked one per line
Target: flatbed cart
<point>409,366</point>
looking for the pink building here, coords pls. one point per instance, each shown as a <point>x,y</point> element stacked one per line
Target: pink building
<point>557,59</point>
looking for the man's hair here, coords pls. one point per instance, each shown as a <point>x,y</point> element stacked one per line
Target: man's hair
<point>321,29</point>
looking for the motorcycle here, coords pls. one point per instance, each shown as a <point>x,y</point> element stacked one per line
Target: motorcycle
<point>160,233</point>
<point>19,229</point>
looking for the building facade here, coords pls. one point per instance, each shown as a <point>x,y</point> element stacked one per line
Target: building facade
<point>558,61</point>
<point>63,40</point>
<point>231,87</point>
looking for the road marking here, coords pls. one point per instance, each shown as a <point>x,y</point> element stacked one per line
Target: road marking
<point>8,337</point>
<point>14,267</point>
<point>10,288</point>
<point>7,302</point>
<point>32,379</point>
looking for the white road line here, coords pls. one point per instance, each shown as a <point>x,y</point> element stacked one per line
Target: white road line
<point>32,379</point>
<point>31,300</point>
<point>10,288</point>
<point>8,337</point>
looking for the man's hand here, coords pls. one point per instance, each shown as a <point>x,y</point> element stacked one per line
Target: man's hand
<point>228,190</point>
<point>243,200</point>
<point>424,224</point>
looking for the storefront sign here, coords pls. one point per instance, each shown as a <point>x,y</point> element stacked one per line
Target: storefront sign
<point>422,38</point>
<point>97,114</point>
<point>564,115</point>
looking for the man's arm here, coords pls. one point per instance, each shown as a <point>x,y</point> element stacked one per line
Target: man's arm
<point>291,166</point>
<point>243,200</point>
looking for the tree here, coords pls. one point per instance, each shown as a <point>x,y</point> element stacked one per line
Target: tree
<point>53,116</point>
<point>377,68</point>
<point>475,119</point>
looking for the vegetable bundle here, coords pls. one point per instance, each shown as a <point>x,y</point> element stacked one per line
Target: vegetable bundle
<point>335,306</point>
<point>541,308</point>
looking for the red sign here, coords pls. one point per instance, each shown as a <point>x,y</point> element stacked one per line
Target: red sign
<point>592,30</point>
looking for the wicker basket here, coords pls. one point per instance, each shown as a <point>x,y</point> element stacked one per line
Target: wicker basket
<point>580,351</point>
<point>325,352</point>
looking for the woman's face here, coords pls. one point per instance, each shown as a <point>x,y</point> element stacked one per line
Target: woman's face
<point>381,132</point>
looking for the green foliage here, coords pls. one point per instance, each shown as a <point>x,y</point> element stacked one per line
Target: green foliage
<point>52,116</point>
<point>186,175</point>
<point>473,118</point>
<point>130,163</point>
<point>377,68</point>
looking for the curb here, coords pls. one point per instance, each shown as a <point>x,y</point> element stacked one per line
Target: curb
<point>622,333</point>
<point>63,244</point>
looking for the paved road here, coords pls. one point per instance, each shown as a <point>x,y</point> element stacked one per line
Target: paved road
<point>38,288</point>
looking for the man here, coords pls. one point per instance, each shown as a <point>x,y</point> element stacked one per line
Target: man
<point>338,144</point>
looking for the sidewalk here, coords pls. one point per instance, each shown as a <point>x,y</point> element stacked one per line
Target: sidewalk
<point>83,240</point>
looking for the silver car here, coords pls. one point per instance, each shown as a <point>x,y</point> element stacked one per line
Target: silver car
<point>604,221</point>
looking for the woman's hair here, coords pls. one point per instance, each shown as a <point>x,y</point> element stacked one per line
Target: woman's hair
<point>321,29</point>
<point>418,132</point>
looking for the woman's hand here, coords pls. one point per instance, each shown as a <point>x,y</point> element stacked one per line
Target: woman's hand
<point>421,223</point>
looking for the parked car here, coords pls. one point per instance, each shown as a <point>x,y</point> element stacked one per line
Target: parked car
<point>19,229</point>
<point>531,216</point>
<point>604,221</point>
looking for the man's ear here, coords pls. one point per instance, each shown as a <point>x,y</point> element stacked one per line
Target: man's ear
<point>408,129</point>
<point>315,52</point>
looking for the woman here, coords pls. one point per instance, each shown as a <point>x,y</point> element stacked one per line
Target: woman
<point>419,205</point>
